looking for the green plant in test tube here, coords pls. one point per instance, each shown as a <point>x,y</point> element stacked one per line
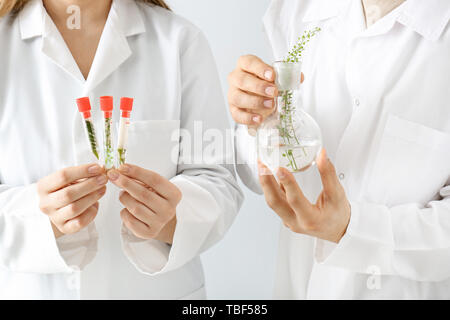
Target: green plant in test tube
<point>126,106</point>
<point>84,107</point>
<point>106,105</point>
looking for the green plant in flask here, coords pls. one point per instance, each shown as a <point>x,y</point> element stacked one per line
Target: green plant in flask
<point>290,137</point>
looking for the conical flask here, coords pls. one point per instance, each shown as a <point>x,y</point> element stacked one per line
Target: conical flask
<point>290,137</point>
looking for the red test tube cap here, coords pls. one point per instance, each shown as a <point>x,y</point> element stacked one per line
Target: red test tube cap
<point>84,106</point>
<point>106,103</point>
<point>126,105</point>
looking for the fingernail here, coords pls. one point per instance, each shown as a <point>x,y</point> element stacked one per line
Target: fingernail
<point>324,157</point>
<point>270,91</point>
<point>256,119</point>
<point>94,169</point>
<point>268,75</point>
<point>124,168</point>
<point>102,179</point>
<point>263,170</point>
<point>113,175</point>
<point>281,174</point>
<point>268,103</point>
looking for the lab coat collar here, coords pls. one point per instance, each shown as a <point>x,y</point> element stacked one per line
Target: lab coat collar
<point>324,9</point>
<point>124,20</point>
<point>32,18</point>
<point>428,18</point>
<point>130,18</point>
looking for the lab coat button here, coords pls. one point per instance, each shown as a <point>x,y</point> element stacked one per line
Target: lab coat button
<point>357,102</point>
<point>341,176</point>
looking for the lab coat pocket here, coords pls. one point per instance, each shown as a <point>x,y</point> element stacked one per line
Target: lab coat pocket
<point>154,145</point>
<point>412,163</point>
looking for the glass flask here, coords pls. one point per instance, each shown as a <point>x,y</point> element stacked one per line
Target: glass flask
<point>289,137</point>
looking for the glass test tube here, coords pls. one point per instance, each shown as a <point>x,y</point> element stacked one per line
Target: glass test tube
<point>106,105</point>
<point>84,107</point>
<point>126,105</point>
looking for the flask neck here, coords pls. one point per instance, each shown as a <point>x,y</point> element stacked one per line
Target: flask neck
<point>288,81</point>
<point>287,102</point>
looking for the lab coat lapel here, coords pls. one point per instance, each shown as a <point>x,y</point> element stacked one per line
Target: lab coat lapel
<point>124,20</point>
<point>112,51</point>
<point>55,48</point>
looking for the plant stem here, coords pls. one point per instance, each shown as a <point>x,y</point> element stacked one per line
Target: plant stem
<point>287,129</point>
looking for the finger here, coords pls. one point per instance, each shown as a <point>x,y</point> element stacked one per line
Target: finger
<point>137,227</point>
<point>302,78</point>
<point>141,193</point>
<point>247,100</point>
<point>67,176</point>
<point>76,208</point>
<point>81,221</point>
<point>254,65</point>
<point>263,170</point>
<point>294,194</point>
<point>137,208</point>
<point>273,195</point>
<point>74,192</point>
<point>327,172</point>
<point>250,83</point>
<point>242,116</point>
<point>152,179</point>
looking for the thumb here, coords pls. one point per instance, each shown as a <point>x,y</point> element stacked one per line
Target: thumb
<point>327,172</point>
<point>294,194</point>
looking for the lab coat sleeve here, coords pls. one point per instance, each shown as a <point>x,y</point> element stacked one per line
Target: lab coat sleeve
<point>27,243</point>
<point>211,196</point>
<point>405,240</point>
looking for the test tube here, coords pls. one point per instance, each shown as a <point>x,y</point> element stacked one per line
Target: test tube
<point>84,106</point>
<point>126,105</point>
<point>106,105</point>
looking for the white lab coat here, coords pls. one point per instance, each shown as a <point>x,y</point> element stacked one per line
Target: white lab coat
<point>165,63</point>
<point>382,98</point>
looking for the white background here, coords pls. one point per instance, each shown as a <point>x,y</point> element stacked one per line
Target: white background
<point>242,265</point>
